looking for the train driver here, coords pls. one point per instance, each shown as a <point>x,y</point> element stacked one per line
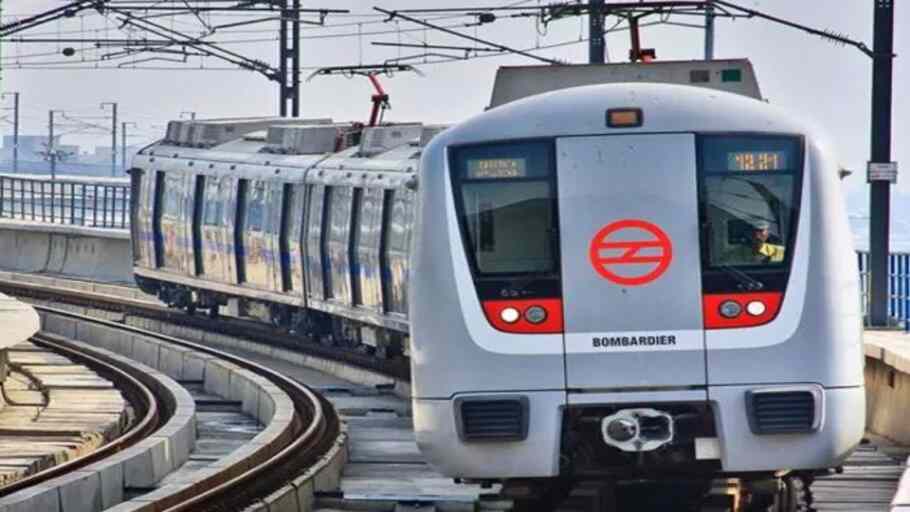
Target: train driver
<point>759,250</point>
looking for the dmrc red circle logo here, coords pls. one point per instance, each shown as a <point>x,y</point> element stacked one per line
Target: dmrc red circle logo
<point>624,241</point>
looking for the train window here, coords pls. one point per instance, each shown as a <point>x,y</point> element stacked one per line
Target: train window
<point>506,200</point>
<point>315,237</point>
<point>748,201</point>
<point>255,213</point>
<point>212,211</point>
<point>398,218</point>
<point>399,227</point>
<point>277,194</point>
<point>173,197</point>
<point>337,249</point>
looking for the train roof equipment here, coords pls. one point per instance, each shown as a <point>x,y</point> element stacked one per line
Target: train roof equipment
<point>212,132</point>
<point>731,75</point>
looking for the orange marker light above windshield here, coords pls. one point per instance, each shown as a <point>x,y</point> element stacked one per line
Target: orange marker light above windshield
<point>624,117</point>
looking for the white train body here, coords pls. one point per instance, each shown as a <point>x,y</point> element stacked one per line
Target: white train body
<point>633,278</point>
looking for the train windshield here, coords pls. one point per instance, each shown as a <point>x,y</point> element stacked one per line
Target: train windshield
<point>506,201</point>
<point>749,194</point>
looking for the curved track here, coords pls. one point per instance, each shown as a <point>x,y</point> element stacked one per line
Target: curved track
<point>308,436</point>
<point>148,406</point>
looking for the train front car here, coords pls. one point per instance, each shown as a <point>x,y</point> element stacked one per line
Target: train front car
<point>634,280</point>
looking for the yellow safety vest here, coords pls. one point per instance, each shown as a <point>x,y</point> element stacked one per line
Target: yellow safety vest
<point>766,253</point>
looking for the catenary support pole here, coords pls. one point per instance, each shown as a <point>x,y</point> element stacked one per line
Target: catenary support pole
<point>880,190</point>
<point>15,96</point>
<point>283,26</point>
<point>123,145</point>
<point>295,60</point>
<point>114,141</point>
<point>709,32</point>
<point>51,147</point>
<point>15,132</point>
<point>113,105</point>
<point>596,38</point>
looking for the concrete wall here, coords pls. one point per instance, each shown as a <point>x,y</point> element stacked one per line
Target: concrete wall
<point>96,254</point>
<point>888,385</point>
<point>887,401</point>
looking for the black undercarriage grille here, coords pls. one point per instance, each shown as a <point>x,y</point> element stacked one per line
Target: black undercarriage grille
<point>781,412</point>
<point>493,420</point>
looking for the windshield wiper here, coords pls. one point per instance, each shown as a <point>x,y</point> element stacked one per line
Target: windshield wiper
<point>745,281</point>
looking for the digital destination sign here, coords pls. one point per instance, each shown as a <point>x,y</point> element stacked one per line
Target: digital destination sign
<point>756,161</point>
<point>497,168</point>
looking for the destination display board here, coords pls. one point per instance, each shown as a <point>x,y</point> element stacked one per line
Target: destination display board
<point>757,161</point>
<point>496,168</point>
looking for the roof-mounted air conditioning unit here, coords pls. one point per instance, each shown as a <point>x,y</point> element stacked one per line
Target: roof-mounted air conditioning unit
<point>379,139</point>
<point>301,140</point>
<point>212,132</point>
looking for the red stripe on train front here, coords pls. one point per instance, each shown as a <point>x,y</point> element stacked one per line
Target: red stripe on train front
<point>524,316</point>
<point>733,310</point>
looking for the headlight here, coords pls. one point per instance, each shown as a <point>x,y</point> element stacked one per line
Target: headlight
<point>730,309</point>
<point>756,308</point>
<point>535,314</point>
<point>509,315</point>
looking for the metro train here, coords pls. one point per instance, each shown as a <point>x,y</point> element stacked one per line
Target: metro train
<point>629,280</point>
<point>304,223</point>
<point>635,280</point>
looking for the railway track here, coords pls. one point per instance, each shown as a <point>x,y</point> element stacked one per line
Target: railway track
<point>305,437</point>
<point>149,408</point>
<point>838,492</point>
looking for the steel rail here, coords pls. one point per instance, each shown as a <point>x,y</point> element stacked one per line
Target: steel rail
<point>131,382</point>
<point>310,434</point>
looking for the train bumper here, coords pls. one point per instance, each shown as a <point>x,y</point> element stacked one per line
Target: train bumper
<point>535,452</point>
<point>840,429</point>
<point>536,455</point>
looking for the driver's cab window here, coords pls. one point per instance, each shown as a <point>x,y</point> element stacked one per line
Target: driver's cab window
<point>748,196</point>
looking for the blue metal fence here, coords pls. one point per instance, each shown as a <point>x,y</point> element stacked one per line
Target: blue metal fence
<point>72,201</point>
<point>898,285</point>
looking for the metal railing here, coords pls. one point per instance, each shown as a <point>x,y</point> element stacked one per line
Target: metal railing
<point>898,285</point>
<point>77,202</point>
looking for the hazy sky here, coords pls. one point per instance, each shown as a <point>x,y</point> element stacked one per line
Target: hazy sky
<point>828,84</point>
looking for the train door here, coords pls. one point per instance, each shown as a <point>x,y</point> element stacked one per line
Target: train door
<point>398,219</point>
<point>255,237</point>
<point>276,209</point>
<point>319,198</point>
<point>145,208</point>
<point>212,229</point>
<point>368,286</point>
<point>337,244</point>
<point>147,218</point>
<point>629,239</point>
<point>296,216</point>
<point>170,219</point>
<point>285,237</point>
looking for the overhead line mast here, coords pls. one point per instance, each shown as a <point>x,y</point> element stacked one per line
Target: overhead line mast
<point>135,13</point>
